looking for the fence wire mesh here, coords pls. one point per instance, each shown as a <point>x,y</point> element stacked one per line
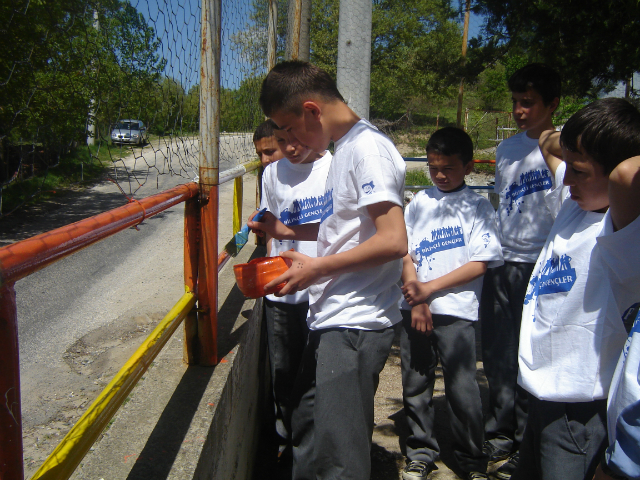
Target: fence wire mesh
<point>111,88</point>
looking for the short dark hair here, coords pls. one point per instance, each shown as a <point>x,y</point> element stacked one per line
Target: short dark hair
<point>265,130</point>
<point>608,130</point>
<point>539,77</point>
<point>289,83</point>
<point>452,141</point>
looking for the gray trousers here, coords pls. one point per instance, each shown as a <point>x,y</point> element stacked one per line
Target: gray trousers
<point>501,304</point>
<point>453,341</point>
<point>334,396</point>
<point>286,338</point>
<point>562,440</point>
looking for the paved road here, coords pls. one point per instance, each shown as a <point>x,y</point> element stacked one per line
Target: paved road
<point>81,318</point>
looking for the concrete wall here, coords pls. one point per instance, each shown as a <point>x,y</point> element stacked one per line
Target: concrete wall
<point>231,443</point>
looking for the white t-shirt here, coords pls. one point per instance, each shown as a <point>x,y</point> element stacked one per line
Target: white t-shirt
<point>571,334</point>
<point>294,194</point>
<point>522,179</point>
<point>620,255</point>
<point>447,230</point>
<point>366,169</point>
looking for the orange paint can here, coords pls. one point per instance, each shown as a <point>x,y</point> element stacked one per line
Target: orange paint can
<point>253,276</point>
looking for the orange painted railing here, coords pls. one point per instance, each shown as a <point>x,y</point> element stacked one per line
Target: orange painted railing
<point>28,256</point>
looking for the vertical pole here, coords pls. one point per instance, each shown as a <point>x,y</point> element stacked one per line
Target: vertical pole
<point>354,54</point>
<point>465,34</point>
<point>272,40</point>
<point>237,204</point>
<point>10,408</point>
<point>294,25</point>
<point>304,49</point>
<point>209,176</point>
<point>91,121</point>
<point>191,259</point>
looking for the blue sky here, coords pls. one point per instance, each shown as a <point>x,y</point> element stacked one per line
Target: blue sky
<point>177,24</point>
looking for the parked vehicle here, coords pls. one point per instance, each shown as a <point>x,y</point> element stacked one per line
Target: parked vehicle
<point>129,131</point>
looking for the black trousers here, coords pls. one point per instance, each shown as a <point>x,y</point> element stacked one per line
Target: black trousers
<point>501,304</point>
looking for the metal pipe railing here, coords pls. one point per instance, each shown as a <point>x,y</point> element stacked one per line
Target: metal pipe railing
<point>66,457</point>
<point>28,256</point>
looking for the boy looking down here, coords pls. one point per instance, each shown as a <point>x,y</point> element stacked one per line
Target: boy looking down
<point>291,189</point>
<point>452,239</point>
<point>353,292</point>
<point>522,179</point>
<point>572,333</point>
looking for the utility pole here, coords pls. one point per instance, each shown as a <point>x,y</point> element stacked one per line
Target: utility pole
<point>354,54</point>
<point>298,24</point>
<point>465,33</point>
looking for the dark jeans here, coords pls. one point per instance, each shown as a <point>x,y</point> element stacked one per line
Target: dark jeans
<point>501,304</point>
<point>453,341</point>
<point>562,440</point>
<point>286,338</point>
<point>333,414</point>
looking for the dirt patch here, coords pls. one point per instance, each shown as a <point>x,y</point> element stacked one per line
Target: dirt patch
<point>96,357</point>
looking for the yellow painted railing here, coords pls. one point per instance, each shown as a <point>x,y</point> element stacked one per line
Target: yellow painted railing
<point>74,446</point>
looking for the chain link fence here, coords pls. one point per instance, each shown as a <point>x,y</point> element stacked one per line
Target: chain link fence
<point>111,88</point>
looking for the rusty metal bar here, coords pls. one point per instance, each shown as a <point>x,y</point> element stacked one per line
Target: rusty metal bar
<point>10,410</point>
<point>209,180</point>
<point>238,171</point>
<point>28,256</point>
<point>191,247</point>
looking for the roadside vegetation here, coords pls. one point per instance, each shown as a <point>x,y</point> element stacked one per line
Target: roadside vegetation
<point>67,63</point>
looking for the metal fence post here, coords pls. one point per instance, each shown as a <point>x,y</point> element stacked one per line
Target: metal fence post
<point>209,174</point>
<point>191,260</point>
<point>10,408</point>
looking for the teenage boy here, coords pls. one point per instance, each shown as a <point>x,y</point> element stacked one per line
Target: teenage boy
<point>353,291</point>
<point>266,144</point>
<point>572,333</point>
<point>621,459</point>
<point>522,179</point>
<point>291,190</point>
<point>452,239</point>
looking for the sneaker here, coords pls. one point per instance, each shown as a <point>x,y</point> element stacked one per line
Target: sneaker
<point>416,470</point>
<point>476,476</point>
<point>505,470</point>
<point>494,453</point>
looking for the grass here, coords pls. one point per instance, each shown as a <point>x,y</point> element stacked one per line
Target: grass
<point>75,170</point>
<point>417,177</point>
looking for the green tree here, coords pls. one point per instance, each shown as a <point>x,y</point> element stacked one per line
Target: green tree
<point>415,52</point>
<point>593,43</point>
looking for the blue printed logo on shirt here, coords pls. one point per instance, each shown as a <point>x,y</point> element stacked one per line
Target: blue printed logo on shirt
<point>556,276</point>
<point>327,202</point>
<point>530,182</point>
<point>486,238</point>
<point>444,238</point>
<point>368,187</point>
<point>303,211</point>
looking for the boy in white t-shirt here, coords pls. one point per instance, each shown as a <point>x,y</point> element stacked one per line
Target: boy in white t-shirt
<point>619,245</point>
<point>353,291</point>
<point>572,333</point>
<point>292,190</point>
<point>452,239</point>
<point>522,179</point>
